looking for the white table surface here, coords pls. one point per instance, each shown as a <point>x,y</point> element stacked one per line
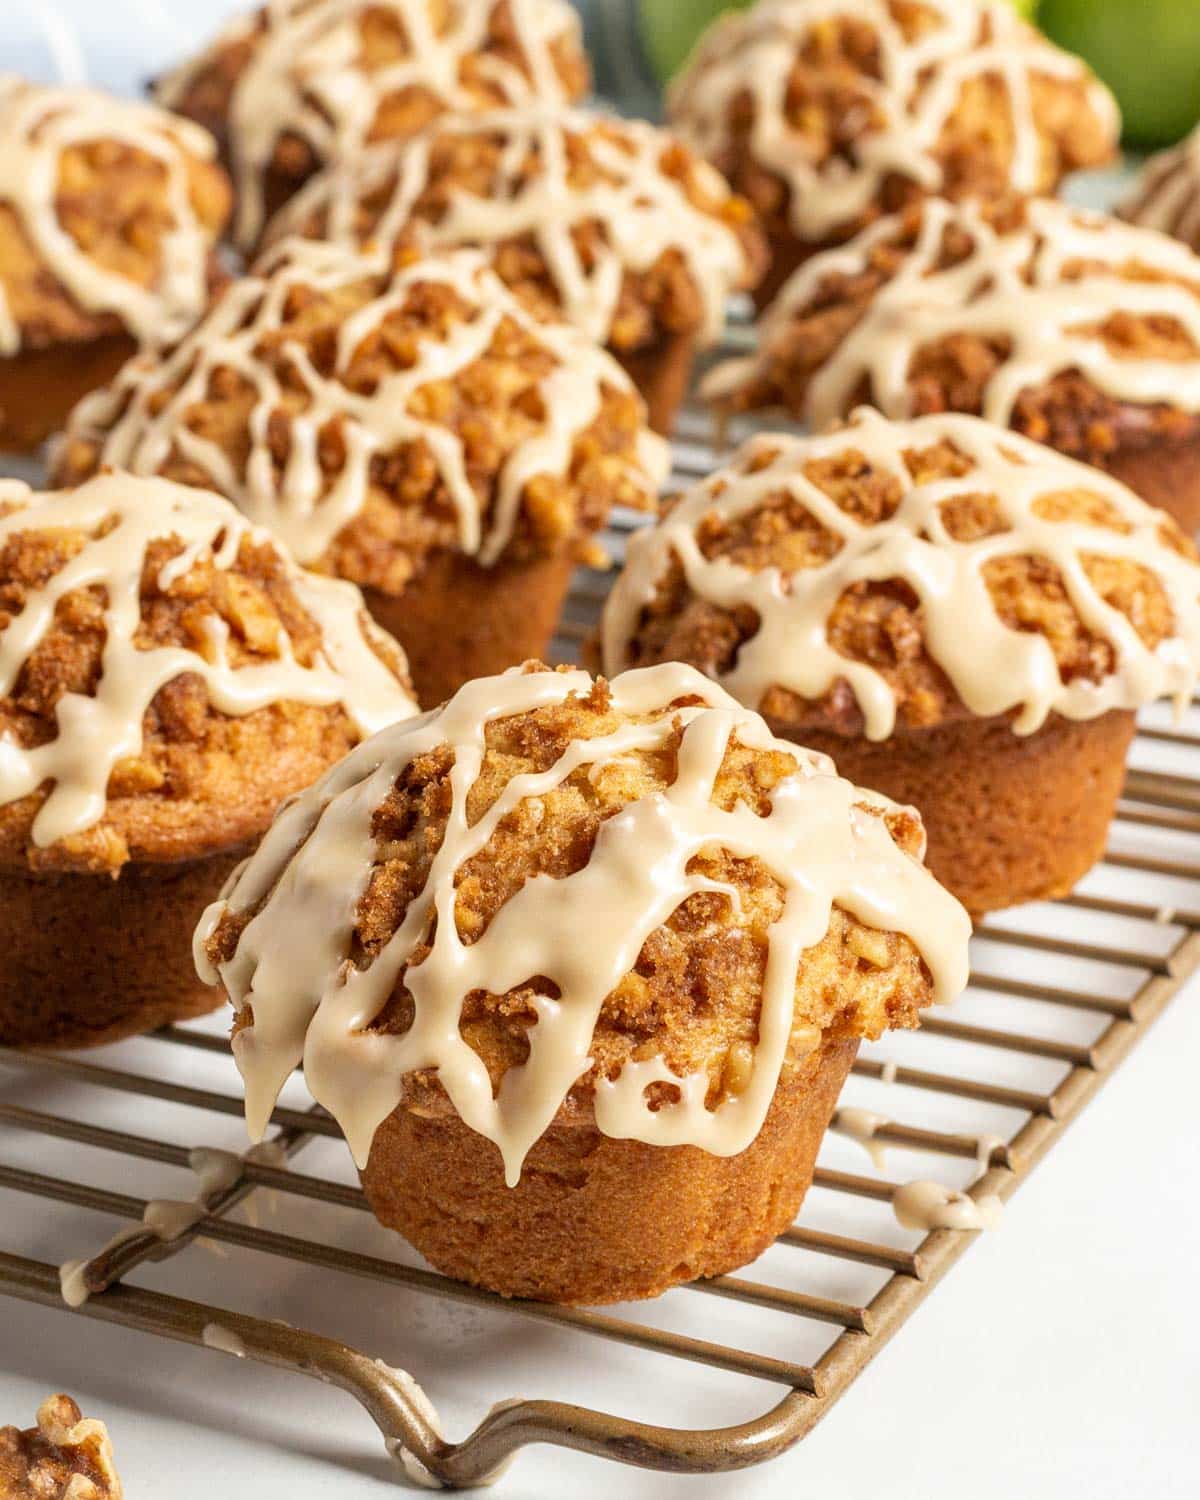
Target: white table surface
<point>1060,1359</point>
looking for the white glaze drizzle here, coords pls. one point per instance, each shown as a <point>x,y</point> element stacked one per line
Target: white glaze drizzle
<point>97,731</point>
<point>642,212</point>
<point>306,76</point>
<point>1014,286</point>
<point>933,1205</point>
<point>993,668</point>
<point>302,504</point>
<point>37,126</point>
<point>217,1336</point>
<point>310,872</point>
<point>863,1126</point>
<point>918,89</point>
<point>1166,193</point>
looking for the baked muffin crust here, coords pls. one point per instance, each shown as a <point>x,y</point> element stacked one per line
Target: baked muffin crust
<point>1075,330</point>
<point>827,115</point>
<point>1166,193</point>
<point>65,1457</point>
<point>168,676</point>
<point>610,224</point>
<point>109,211</point>
<point>373,417</point>
<point>898,576</point>
<point>625,898</point>
<point>300,83</point>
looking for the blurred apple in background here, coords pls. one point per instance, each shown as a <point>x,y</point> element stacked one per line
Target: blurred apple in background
<point>1147,51</point>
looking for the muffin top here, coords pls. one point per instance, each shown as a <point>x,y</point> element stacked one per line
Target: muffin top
<point>369,416</point>
<point>65,1457</point>
<point>611,224</point>
<point>1166,193</point>
<point>1074,329</point>
<point>167,675</point>
<point>826,113</point>
<point>303,82</point>
<point>892,576</point>
<point>108,214</point>
<point>560,893</point>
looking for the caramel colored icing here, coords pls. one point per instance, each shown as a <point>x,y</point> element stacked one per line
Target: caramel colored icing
<point>994,668</point>
<point>1049,294</point>
<point>121,517</point>
<point>37,126</point>
<point>933,1205</point>
<point>307,75</point>
<point>590,225</point>
<point>909,96</point>
<point>1166,194</point>
<point>144,416</point>
<point>304,996</point>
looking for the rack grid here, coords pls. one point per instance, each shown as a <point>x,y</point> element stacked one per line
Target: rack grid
<point>1122,921</point>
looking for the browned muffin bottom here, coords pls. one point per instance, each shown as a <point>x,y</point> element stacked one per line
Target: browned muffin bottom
<point>1009,817</point>
<point>65,1457</point>
<point>826,318</point>
<point>594,1218</point>
<point>458,611</point>
<point>556,199</point>
<point>96,925</point>
<point>808,154</point>
<point>114,172</point>
<point>262,74</point>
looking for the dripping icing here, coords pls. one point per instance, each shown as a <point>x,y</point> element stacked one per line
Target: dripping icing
<point>305,882</point>
<point>993,668</point>
<point>142,417</point>
<point>97,731</point>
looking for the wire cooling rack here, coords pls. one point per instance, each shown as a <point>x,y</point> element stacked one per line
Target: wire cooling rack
<point>1059,996</point>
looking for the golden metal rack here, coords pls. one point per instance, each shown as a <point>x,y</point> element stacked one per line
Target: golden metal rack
<point>1154,945</point>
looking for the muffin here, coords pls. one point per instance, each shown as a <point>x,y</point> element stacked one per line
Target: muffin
<point>579,968</point>
<point>961,618</point>
<point>167,677</point>
<point>827,114</point>
<point>65,1457</point>
<point>300,83</point>
<point>1166,193</point>
<point>1076,330</point>
<point>108,216</point>
<point>415,429</point>
<point>609,224</point>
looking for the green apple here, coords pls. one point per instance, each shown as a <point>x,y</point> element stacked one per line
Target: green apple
<point>670,29</point>
<point>1147,51</point>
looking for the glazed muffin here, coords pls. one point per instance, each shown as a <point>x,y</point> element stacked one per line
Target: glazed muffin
<point>167,677</point>
<point>609,224</point>
<point>1166,193</point>
<point>611,948</point>
<point>65,1457</point>
<point>416,430</point>
<point>827,114</point>
<point>961,618</point>
<point>108,216</point>
<point>1073,329</point>
<point>301,83</point>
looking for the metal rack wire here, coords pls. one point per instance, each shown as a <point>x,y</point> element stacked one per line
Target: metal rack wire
<point>1118,923</point>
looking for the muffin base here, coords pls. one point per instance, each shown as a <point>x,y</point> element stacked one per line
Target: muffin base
<point>39,387</point>
<point>1010,818</point>
<point>596,1220</point>
<point>457,620</point>
<point>1167,475</point>
<point>91,959</point>
<point>662,373</point>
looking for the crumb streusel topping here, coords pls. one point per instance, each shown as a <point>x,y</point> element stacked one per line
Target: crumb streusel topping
<point>109,209</point>
<point>166,671</point>
<point>303,82</point>
<point>369,416</point>
<point>67,1456</point>
<point>611,224</point>
<point>827,112</point>
<point>899,574</point>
